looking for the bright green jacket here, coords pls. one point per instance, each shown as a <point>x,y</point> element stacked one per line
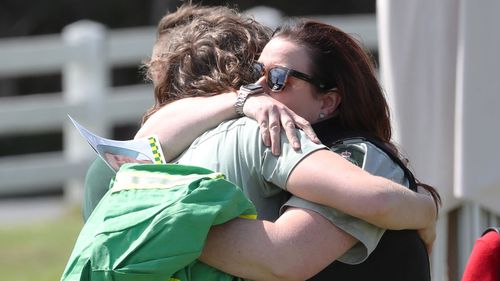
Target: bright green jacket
<point>152,225</point>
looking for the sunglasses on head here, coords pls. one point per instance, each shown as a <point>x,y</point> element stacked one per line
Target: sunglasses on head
<point>277,76</point>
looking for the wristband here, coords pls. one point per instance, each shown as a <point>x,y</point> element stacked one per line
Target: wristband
<point>243,93</point>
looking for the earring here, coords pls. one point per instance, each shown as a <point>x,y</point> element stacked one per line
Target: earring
<point>321,115</point>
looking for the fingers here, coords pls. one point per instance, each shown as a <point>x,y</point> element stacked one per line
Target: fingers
<point>271,122</point>
<point>428,236</point>
<point>274,130</point>
<point>288,123</point>
<point>428,245</point>
<point>263,120</point>
<point>271,116</point>
<point>306,127</point>
<point>429,249</point>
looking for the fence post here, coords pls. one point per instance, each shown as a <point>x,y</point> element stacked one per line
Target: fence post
<point>471,226</point>
<point>439,263</point>
<point>85,79</point>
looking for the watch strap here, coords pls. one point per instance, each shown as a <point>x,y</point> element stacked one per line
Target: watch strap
<point>243,93</point>
<point>240,102</point>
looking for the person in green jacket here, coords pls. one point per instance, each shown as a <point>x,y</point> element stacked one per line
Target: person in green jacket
<point>152,225</point>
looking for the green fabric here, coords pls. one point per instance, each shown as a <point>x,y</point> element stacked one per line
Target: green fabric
<point>97,182</point>
<point>203,272</point>
<point>153,223</point>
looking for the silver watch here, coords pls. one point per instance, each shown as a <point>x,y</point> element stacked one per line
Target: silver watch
<point>243,93</point>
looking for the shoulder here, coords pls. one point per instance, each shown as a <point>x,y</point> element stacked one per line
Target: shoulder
<point>238,125</point>
<point>247,130</point>
<point>370,158</point>
<point>359,151</point>
<point>240,130</point>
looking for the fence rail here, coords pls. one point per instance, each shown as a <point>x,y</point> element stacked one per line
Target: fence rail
<point>84,53</point>
<point>49,53</point>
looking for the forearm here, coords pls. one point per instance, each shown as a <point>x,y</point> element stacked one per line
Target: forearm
<point>356,192</point>
<point>297,246</point>
<point>180,122</point>
<point>404,209</point>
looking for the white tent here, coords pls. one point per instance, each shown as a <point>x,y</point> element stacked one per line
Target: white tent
<point>439,65</point>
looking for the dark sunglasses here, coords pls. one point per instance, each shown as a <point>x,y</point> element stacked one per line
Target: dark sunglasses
<point>277,76</point>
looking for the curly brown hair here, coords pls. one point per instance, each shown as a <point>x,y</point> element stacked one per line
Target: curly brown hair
<point>203,51</point>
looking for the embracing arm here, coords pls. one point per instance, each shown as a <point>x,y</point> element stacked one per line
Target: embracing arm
<point>301,242</point>
<point>180,122</point>
<point>295,247</point>
<point>349,189</point>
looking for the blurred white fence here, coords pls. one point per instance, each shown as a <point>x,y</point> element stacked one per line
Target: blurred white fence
<point>84,54</point>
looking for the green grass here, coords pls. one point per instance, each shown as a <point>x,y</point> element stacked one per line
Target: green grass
<point>38,251</point>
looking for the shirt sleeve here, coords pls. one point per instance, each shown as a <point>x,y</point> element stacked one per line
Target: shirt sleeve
<point>375,161</point>
<point>277,169</point>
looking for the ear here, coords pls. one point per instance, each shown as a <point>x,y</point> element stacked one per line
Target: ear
<point>330,102</point>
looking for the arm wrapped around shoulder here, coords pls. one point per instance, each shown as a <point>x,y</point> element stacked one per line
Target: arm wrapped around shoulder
<point>351,190</point>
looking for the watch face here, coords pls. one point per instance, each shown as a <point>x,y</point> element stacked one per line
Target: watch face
<point>252,87</point>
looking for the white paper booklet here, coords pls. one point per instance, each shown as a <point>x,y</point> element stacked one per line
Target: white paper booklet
<point>116,153</point>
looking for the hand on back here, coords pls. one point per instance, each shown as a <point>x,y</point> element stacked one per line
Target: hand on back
<point>272,116</point>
